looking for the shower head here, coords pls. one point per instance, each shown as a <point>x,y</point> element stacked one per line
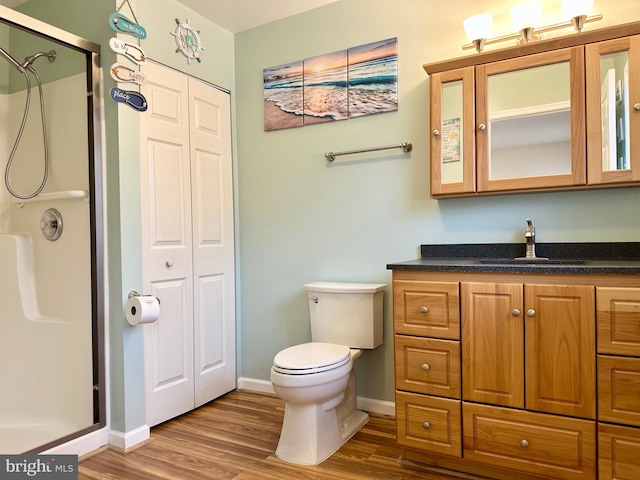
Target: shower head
<point>11,60</point>
<point>51,55</point>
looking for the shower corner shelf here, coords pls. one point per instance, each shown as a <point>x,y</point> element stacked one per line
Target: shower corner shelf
<point>61,195</point>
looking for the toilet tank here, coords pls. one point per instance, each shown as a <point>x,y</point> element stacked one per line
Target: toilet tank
<point>346,313</point>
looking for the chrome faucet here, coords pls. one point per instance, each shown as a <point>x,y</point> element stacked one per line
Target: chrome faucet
<point>530,239</point>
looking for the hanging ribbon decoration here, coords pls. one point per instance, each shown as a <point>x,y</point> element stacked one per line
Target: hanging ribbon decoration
<point>132,52</point>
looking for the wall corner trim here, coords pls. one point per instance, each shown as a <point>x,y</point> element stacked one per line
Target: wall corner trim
<point>126,440</point>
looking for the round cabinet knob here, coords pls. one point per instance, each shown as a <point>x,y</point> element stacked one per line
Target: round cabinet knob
<point>531,312</point>
<point>482,127</point>
<point>169,263</point>
<point>524,443</point>
<point>515,312</point>
<point>424,309</point>
<point>436,133</point>
<point>636,107</point>
<point>425,367</point>
<point>426,425</point>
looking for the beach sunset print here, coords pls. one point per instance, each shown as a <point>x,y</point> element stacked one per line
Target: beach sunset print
<point>350,83</point>
<point>283,96</point>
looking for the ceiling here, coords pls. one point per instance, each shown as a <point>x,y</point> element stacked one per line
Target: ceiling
<point>238,15</point>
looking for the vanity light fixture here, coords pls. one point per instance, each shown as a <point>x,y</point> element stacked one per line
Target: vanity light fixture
<point>526,18</point>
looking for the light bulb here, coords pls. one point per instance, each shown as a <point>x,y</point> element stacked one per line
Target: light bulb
<point>478,26</point>
<point>576,8</point>
<point>526,15</point>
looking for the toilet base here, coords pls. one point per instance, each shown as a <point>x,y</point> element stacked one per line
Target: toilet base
<point>310,434</point>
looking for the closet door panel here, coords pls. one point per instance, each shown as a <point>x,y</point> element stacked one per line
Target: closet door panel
<point>213,241</point>
<point>167,254</point>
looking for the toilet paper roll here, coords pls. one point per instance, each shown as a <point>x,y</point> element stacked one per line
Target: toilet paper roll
<point>142,309</point>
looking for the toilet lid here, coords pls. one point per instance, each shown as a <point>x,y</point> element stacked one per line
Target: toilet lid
<point>310,358</point>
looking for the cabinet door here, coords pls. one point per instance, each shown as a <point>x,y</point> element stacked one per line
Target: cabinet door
<point>530,125</point>
<point>492,342</point>
<point>618,316</point>
<point>613,111</point>
<point>426,309</point>
<point>619,389</point>
<point>452,125</point>
<point>618,452</point>
<point>560,349</point>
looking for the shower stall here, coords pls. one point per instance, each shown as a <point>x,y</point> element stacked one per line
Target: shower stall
<point>51,250</point>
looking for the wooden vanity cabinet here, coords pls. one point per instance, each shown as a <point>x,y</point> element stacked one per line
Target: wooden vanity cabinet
<point>500,380</point>
<point>613,94</point>
<point>426,319</point>
<point>453,170</point>
<point>527,131</point>
<point>530,346</point>
<point>530,142</point>
<point>618,320</point>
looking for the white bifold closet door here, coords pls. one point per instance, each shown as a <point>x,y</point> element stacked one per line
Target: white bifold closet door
<point>187,242</point>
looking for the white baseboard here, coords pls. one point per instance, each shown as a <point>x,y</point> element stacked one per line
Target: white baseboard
<point>125,441</point>
<point>373,405</point>
<point>82,445</point>
<point>255,385</point>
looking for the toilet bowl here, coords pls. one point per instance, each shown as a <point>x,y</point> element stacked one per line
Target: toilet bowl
<point>317,382</point>
<point>316,379</point>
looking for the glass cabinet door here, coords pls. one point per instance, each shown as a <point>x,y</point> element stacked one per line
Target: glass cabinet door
<point>530,123</point>
<point>452,125</point>
<point>613,111</point>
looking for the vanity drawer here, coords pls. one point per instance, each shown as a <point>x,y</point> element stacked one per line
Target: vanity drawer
<point>619,389</point>
<point>428,365</point>
<point>549,445</point>
<point>618,452</point>
<point>618,317</point>
<point>429,309</point>
<point>429,424</point>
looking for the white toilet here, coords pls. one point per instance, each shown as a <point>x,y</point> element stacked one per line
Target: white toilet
<point>316,379</point>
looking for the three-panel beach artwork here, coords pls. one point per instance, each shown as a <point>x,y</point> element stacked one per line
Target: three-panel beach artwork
<point>350,83</point>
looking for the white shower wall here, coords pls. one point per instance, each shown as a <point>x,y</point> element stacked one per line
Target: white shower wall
<point>48,359</point>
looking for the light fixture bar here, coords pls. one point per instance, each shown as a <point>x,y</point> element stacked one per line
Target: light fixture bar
<point>576,22</point>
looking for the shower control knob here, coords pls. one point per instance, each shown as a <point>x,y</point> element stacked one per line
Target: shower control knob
<point>169,263</point>
<point>51,224</point>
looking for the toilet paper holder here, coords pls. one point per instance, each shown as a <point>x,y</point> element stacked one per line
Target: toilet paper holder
<point>133,293</point>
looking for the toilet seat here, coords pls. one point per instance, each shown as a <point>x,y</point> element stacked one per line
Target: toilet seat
<point>310,358</point>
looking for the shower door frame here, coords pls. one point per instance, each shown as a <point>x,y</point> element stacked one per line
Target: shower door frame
<point>91,51</point>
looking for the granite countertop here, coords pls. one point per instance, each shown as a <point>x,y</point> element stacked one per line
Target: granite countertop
<point>618,258</point>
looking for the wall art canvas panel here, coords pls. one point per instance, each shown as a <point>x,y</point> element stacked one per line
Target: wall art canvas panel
<point>325,88</point>
<point>373,78</point>
<point>349,83</point>
<point>283,96</point>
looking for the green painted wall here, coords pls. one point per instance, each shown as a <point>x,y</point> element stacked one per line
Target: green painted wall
<point>302,219</point>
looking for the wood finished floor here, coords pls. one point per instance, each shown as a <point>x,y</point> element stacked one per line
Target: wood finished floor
<point>235,437</point>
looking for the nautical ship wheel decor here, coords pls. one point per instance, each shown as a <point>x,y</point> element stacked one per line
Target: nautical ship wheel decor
<point>188,40</point>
